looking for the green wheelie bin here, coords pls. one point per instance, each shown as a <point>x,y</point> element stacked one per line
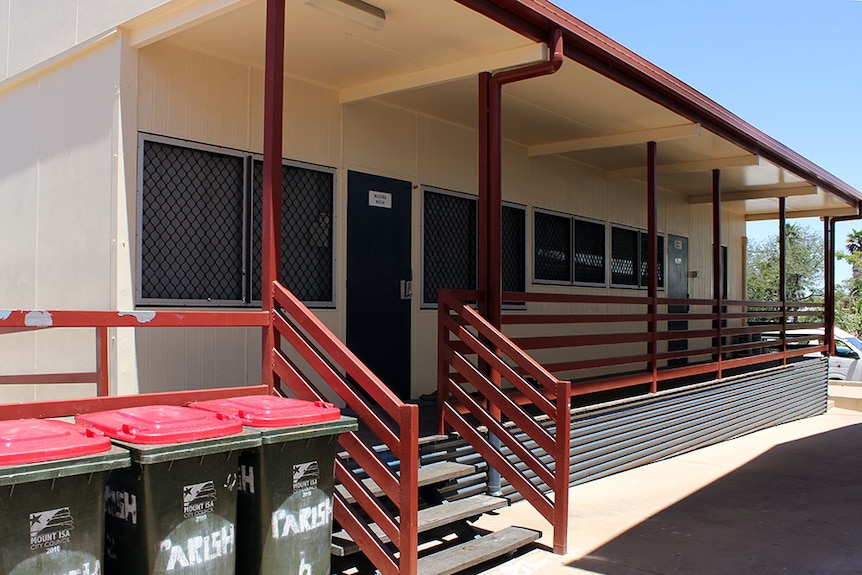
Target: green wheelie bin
<point>285,502</point>
<point>52,485</point>
<point>174,510</point>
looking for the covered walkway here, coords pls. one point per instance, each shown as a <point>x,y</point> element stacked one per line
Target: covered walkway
<point>783,500</point>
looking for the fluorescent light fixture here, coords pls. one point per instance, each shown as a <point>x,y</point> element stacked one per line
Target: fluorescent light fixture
<point>356,10</point>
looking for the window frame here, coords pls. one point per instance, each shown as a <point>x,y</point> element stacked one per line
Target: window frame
<point>573,250</point>
<point>331,303</point>
<point>637,271</point>
<point>425,188</point>
<point>248,300</point>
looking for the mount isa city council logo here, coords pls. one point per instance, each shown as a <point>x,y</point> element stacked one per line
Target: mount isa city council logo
<point>50,528</point>
<point>305,475</point>
<point>199,499</point>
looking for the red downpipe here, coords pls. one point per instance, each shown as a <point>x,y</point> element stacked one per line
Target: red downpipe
<point>273,115</point>
<point>490,180</point>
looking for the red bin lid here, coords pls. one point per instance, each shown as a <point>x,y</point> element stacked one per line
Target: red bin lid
<point>34,440</point>
<point>161,424</point>
<point>270,411</point>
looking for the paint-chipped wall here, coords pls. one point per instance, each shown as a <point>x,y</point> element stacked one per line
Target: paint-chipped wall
<point>57,204</point>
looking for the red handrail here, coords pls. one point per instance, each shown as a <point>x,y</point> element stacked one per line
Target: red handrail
<point>459,324</point>
<point>397,427</point>
<point>19,321</point>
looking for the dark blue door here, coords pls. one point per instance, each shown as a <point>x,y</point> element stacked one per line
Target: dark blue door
<point>677,288</point>
<point>379,276</point>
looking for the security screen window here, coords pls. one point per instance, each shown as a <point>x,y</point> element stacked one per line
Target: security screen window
<point>644,260</point>
<point>191,227</point>
<point>449,243</point>
<point>199,237</point>
<point>589,252</point>
<point>624,257</point>
<point>306,232</point>
<point>553,247</point>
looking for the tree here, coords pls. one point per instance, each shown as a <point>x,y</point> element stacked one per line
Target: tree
<point>848,296</point>
<point>804,266</point>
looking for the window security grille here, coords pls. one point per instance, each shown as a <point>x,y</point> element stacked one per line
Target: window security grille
<point>449,246</point>
<point>200,243</point>
<point>644,260</point>
<point>306,232</point>
<point>191,225</point>
<point>553,239</point>
<point>514,264</point>
<point>624,256</point>
<point>589,252</point>
<point>568,249</point>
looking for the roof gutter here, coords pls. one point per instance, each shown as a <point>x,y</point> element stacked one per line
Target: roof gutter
<point>535,19</point>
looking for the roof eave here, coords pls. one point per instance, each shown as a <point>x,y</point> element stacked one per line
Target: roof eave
<point>586,45</point>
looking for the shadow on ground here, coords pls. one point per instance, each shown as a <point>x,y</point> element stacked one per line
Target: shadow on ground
<point>796,509</point>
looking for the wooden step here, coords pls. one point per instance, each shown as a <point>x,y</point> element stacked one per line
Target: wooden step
<point>454,559</point>
<point>428,475</point>
<point>428,519</point>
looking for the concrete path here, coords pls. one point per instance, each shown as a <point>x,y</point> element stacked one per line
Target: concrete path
<point>783,500</point>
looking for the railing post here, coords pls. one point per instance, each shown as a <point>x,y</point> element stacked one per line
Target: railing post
<point>409,504</point>
<point>562,471</point>
<point>102,359</point>
<point>442,364</point>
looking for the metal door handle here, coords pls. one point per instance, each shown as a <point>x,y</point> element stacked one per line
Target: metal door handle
<point>406,289</point>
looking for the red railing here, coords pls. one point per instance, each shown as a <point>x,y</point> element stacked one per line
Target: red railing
<point>602,342</point>
<point>598,343</point>
<point>382,416</point>
<point>471,394</point>
<point>18,321</point>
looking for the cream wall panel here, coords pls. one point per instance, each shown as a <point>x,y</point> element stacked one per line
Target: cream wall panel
<point>380,139</point>
<point>192,96</point>
<point>19,198</point>
<point>57,184</point>
<point>31,32</point>
<point>4,38</point>
<point>448,156</point>
<point>37,33</point>
<point>312,122</point>
<point>197,358</point>
<point>77,128</point>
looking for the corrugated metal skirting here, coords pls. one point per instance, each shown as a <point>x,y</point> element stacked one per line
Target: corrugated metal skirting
<point>612,437</point>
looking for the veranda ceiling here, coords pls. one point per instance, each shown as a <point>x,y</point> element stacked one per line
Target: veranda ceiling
<point>426,58</point>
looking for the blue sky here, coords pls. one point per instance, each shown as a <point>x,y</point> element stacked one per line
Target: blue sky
<point>792,68</point>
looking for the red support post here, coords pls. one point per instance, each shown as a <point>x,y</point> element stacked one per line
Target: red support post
<point>828,287</point>
<point>652,260</point>
<point>717,271</point>
<point>102,366</point>
<point>272,152</point>
<point>782,273</point>
<point>484,155</point>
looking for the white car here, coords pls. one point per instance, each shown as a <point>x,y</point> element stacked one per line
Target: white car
<point>845,364</point>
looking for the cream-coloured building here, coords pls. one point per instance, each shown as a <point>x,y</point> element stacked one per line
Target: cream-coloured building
<point>162,160</point>
<point>99,98</point>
